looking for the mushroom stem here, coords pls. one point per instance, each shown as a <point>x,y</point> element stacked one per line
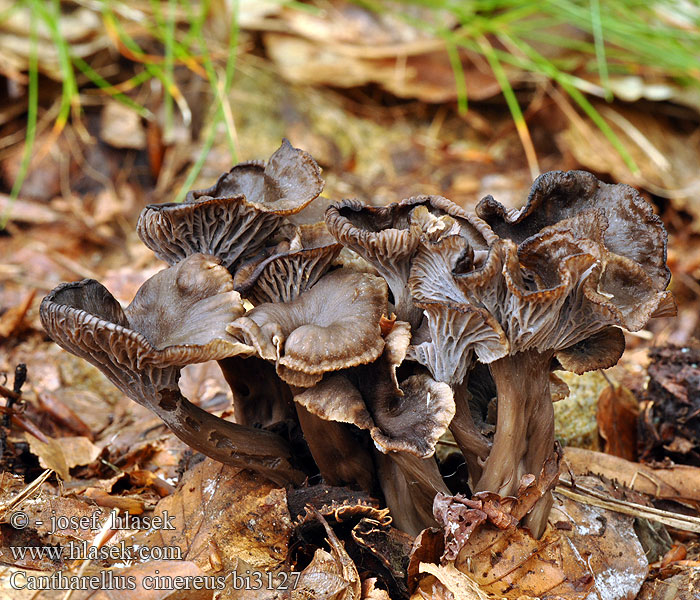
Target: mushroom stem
<point>405,309</point>
<point>340,457</point>
<point>524,437</point>
<point>474,445</point>
<point>227,442</point>
<point>409,485</point>
<point>260,398</point>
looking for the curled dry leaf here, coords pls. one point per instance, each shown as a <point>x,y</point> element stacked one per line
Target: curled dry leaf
<point>590,553</point>
<point>244,515</point>
<point>617,421</point>
<point>330,575</point>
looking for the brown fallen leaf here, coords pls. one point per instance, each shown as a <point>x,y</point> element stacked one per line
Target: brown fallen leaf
<point>12,320</point>
<point>676,553</point>
<point>678,482</point>
<point>370,592</point>
<point>458,584</point>
<point>130,504</point>
<point>62,454</point>
<point>330,575</point>
<point>53,404</point>
<point>243,514</point>
<point>617,421</point>
<point>681,586</point>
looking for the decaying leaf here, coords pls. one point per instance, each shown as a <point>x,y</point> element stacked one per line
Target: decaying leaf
<point>62,454</point>
<point>585,552</point>
<point>330,575</point>
<point>370,592</point>
<point>670,419</point>
<point>617,421</point>
<point>243,514</point>
<point>676,482</point>
<point>681,586</point>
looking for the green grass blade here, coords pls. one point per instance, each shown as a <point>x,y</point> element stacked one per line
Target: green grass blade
<point>513,106</point>
<point>32,111</point>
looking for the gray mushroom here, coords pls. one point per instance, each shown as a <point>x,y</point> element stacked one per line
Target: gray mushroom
<point>239,215</point>
<point>178,317</point>
<point>332,326</point>
<point>580,259</point>
<point>388,236</point>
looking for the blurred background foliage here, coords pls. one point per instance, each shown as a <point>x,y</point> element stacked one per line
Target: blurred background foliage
<point>198,74</point>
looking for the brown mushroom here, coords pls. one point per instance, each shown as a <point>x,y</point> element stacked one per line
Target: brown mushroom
<point>292,267</point>
<point>388,237</point>
<point>178,317</point>
<point>238,215</point>
<point>332,326</point>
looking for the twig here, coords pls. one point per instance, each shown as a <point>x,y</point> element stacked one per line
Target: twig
<point>587,495</point>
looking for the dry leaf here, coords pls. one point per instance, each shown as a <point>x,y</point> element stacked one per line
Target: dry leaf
<point>677,482</point>
<point>121,126</point>
<point>668,157</point>
<point>11,321</point>
<point>330,575</point>
<point>461,586</point>
<point>617,421</point>
<point>682,586</point>
<point>242,513</point>
<point>62,454</point>
<point>370,592</point>
<point>588,551</point>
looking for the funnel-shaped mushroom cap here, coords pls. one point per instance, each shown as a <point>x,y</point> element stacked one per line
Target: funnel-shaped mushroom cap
<point>633,230</point>
<point>389,236</point>
<point>561,285</point>
<point>332,326</point>
<point>236,216</point>
<point>289,269</point>
<point>178,317</point>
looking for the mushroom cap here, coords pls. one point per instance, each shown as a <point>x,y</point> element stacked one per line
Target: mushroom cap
<point>412,420</point>
<point>562,284</point>
<point>235,217</point>
<point>601,350</point>
<point>178,317</point>
<point>454,328</point>
<point>289,181</point>
<point>633,230</point>
<point>292,267</point>
<point>332,326</point>
<point>388,236</point>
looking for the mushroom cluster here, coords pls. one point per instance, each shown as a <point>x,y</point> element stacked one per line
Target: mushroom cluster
<point>377,330</point>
